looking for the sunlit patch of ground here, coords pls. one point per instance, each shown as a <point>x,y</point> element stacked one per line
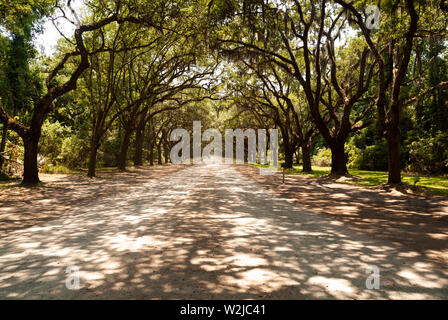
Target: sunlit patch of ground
<point>60,194</point>
<point>412,221</point>
<point>204,232</point>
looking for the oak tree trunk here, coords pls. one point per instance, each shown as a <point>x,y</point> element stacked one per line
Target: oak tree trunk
<point>30,170</point>
<point>289,157</point>
<point>394,163</point>
<point>151,150</point>
<point>306,158</point>
<point>92,160</point>
<point>3,144</point>
<point>124,150</point>
<point>166,151</point>
<point>338,160</point>
<point>139,137</point>
<point>159,152</point>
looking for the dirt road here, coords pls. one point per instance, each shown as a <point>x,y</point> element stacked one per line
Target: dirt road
<point>205,232</point>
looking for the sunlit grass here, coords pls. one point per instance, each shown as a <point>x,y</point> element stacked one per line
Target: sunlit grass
<point>437,185</point>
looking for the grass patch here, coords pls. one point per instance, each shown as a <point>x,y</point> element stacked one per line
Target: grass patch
<point>436,185</point>
<point>317,171</point>
<point>56,169</point>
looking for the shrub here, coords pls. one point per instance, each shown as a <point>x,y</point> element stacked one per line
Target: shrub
<point>74,152</point>
<point>109,151</point>
<point>49,168</point>
<point>429,154</point>
<point>322,158</point>
<point>4,176</point>
<point>50,144</point>
<point>372,157</point>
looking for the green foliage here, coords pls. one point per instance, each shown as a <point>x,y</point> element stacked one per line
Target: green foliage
<point>50,144</point>
<point>367,157</point>
<point>191,28</point>
<point>322,158</point>
<point>60,147</point>
<point>4,176</point>
<point>73,152</point>
<point>49,168</point>
<point>109,150</point>
<point>14,15</point>
<point>365,178</point>
<point>429,154</point>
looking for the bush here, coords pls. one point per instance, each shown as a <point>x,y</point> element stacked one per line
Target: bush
<point>429,154</point>
<point>50,144</point>
<point>322,158</point>
<point>109,151</point>
<point>74,152</point>
<point>372,157</point>
<point>49,168</point>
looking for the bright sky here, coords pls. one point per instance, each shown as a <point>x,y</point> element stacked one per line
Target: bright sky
<point>49,38</point>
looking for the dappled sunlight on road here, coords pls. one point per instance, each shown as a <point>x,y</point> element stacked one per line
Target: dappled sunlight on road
<point>205,232</point>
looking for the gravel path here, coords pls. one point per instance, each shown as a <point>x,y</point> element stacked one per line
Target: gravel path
<point>205,232</point>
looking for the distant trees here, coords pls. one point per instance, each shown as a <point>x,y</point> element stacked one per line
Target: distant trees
<point>301,42</point>
<point>264,91</point>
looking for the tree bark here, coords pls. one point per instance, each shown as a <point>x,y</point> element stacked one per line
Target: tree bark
<point>306,158</point>
<point>124,150</point>
<point>139,137</point>
<point>30,171</point>
<point>3,144</point>
<point>338,161</point>
<point>92,157</point>
<point>159,152</point>
<point>289,157</point>
<point>92,162</point>
<point>394,163</point>
<point>151,150</point>
<point>166,151</point>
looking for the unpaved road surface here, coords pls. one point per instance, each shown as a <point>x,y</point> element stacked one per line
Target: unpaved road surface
<point>204,232</point>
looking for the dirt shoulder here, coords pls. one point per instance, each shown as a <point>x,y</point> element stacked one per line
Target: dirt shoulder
<point>416,222</point>
<point>59,194</point>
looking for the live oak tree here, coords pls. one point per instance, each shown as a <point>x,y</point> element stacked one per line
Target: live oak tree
<point>392,48</point>
<point>137,69</point>
<point>143,13</point>
<point>30,133</point>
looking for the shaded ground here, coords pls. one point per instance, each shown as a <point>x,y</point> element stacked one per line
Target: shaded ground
<point>414,222</point>
<point>59,194</point>
<point>204,232</point>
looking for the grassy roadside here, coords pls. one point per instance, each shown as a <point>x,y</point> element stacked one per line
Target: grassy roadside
<point>364,178</point>
<point>8,181</point>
